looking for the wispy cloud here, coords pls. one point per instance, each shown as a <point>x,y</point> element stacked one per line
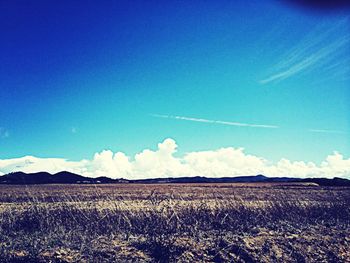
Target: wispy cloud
<point>317,49</point>
<point>306,62</point>
<point>327,131</point>
<point>229,123</point>
<point>240,124</point>
<point>4,133</point>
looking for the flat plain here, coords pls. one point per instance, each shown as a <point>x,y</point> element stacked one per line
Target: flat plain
<point>252,222</point>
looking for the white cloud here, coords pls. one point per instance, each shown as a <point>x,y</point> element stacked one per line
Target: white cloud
<point>162,162</point>
<point>224,162</point>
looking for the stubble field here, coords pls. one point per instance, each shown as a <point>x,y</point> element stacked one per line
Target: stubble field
<point>174,223</point>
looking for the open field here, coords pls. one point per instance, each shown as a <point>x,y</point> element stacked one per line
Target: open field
<point>175,222</point>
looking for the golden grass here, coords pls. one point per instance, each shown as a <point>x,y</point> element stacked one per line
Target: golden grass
<point>174,222</point>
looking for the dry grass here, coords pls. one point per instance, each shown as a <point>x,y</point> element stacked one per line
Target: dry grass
<point>174,223</point>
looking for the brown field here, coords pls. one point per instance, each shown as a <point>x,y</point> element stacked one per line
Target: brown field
<point>175,223</point>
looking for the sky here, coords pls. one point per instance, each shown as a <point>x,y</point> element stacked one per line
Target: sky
<point>171,88</point>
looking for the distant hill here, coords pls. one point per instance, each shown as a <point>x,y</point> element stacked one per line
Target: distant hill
<point>201,179</point>
<point>71,178</point>
<point>47,178</point>
<point>247,179</point>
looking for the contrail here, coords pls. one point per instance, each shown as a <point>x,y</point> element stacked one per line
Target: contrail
<point>229,123</point>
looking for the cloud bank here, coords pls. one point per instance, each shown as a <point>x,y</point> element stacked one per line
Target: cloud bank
<point>163,163</point>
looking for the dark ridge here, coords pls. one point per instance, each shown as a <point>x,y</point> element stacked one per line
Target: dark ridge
<point>43,178</point>
<point>336,181</point>
<point>201,179</point>
<point>65,177</point>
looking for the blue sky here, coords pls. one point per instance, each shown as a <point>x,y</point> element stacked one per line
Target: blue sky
<point>81,76</point>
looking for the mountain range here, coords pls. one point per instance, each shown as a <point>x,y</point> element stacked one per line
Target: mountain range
<point>65,177</point>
